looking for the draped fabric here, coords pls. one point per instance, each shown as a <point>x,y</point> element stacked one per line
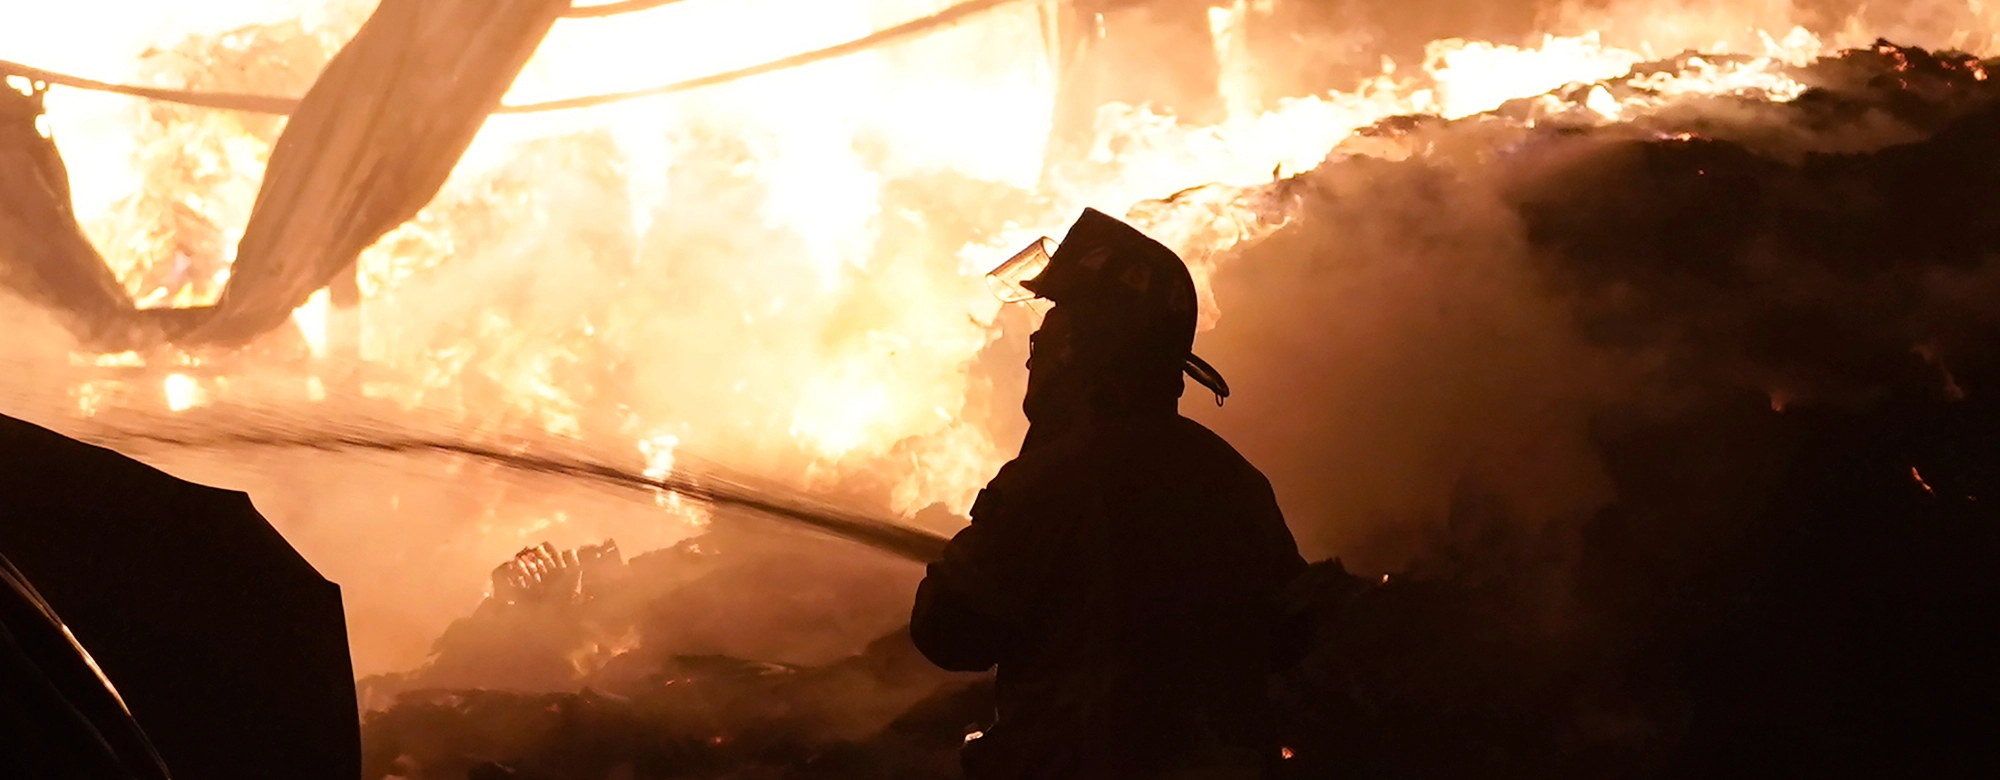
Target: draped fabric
<point>367,147</point>
<point>370,144</point>
<point>44,256</point>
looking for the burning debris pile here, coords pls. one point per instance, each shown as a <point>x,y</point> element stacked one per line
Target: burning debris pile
<point>724,651</point>
<point>1783,316</point>
<point>1788,311</point>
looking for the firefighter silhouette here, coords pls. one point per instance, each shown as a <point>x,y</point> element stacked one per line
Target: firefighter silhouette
<point>1126,572</point>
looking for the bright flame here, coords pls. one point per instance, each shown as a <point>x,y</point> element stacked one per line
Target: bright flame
<point>784,271</point>
<point>1475,76</point>
<point>127,359</point>
<point>183,392</point>
<point>310,317</point>
<point>836,414</point>
<point>659,453</point>
<point>658,450</point>
<point>1600,101</point>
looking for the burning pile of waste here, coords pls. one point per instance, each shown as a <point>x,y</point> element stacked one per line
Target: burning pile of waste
<point>722,651</point>
<point>1767,325</point>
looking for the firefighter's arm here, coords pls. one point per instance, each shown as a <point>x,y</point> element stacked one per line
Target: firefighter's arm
<point>1293,583</point>
<point>969,613</point>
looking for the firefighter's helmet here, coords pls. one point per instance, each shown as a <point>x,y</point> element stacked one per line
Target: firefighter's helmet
<point>1103,263</point>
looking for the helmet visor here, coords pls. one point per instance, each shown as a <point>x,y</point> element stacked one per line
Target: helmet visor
<point>1008,281</point>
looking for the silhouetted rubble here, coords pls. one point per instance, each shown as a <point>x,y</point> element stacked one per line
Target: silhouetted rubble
<point>697,716</point>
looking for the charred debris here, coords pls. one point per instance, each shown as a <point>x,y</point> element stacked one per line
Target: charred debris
<point>1796,579</point>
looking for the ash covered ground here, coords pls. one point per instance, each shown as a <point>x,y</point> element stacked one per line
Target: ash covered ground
<point>1707,402</point>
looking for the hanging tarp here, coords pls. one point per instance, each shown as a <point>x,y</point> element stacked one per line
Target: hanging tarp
<point>44,256</point>
<point>276,104</point>
<point>364,150</point>
<point>369,145</point>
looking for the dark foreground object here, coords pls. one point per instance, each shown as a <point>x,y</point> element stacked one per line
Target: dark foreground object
<point>1774,595</point>
<point>62,719</point>
<point>229,648</point>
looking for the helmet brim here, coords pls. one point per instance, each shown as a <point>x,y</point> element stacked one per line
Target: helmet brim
<point>1205,375</point>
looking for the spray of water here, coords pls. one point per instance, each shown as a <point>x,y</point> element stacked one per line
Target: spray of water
<point>697,481</point>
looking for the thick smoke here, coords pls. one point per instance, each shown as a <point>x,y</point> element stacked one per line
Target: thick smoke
<point>1469,317</point>
<point>1396,343</point>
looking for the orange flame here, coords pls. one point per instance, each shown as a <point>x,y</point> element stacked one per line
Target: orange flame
<point>744,254</point>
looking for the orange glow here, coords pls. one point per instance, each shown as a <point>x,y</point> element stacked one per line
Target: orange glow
<point>769,272</point>
<point>859,384</point>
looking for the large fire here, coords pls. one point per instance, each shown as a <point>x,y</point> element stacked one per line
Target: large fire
<point>780,273</point>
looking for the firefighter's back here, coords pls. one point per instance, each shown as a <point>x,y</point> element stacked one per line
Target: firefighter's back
<point>1160,619</point>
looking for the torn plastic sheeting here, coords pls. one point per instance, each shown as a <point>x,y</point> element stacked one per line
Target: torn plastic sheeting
<point>369,145</point>
<point>44,256</point>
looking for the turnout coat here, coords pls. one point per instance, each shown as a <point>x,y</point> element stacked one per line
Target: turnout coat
<point>1128,581</point>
